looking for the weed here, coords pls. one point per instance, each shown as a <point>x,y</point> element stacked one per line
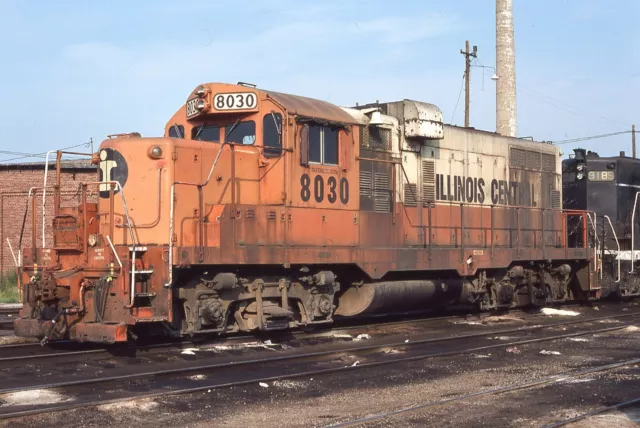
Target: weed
<point>8,289</point>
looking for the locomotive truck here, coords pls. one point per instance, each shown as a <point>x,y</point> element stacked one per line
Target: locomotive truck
<point>259,210</point>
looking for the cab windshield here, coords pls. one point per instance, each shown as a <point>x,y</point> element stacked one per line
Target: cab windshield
<point>239,133</point>
<point>242,133</point>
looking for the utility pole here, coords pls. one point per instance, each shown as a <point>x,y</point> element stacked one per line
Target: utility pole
<point>633,141</point>
<point>467,78</point>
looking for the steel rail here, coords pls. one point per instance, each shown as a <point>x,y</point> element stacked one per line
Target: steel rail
<point>594,413</point>
<point>303,336</point>
<point>264,361</point>
<point>501,390</point>
<point>9,311</point>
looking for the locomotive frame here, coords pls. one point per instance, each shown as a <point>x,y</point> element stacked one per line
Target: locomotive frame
<point>260,210</point>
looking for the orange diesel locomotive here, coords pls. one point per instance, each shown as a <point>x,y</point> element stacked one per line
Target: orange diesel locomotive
<point>260,210</point>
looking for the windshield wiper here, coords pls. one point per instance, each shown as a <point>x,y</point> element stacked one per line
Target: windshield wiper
<point>233,127</point>
<point>177,128</point>
<point>279,129</point>
<point>199,131</point>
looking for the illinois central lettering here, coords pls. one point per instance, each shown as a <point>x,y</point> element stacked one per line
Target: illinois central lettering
<point>457,188</point>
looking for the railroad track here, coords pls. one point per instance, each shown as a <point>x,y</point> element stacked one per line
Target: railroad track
<point>506,389</point>
<point>600,411</point>
<point>236,371</point>
<point>65,351</point>
<point>7,315</point>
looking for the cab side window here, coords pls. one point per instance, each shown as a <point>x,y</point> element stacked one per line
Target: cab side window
<point>323,144</point>
<point>272,134</point>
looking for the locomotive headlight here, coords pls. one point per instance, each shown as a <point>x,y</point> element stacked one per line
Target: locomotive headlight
<point>200,90</point>
<point>580,175</point>
<point>92,240</point>
<point>201,105</point>
<point>156,152</point>
<point>580,167</point>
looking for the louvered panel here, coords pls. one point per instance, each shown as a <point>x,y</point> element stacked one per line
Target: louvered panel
<point>533,160</point>
<point>365,183</point>
<point>428,182</point>
<point>428,194</point>
<point>381,182</point>
<point>548,162</point>
<point>381,197</point>
<point>428,172</point>
<point>381,201</point>
<point>410,195</point>
<point>518,158</point>
<point>555,199</point>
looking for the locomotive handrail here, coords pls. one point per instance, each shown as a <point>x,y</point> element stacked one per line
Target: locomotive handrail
<point>593,222</point>
<point>116,184</point>
<point>633,223</point>
<point>114,252</point>
<point>44,187</point>
<point>617,243</point>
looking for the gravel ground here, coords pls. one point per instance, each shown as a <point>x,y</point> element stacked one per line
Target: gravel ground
<point>361,393</point>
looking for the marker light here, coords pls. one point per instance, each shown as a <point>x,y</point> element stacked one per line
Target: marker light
<point>156,151</point>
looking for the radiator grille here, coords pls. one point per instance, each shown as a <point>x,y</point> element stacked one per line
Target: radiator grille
<point>555,199</point>
<point>533,160</point>
<point>518,158</point>
<point>548,162</point>
<point>375,138</point>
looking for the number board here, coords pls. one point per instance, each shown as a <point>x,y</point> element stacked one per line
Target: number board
<point>235,101</point>
<point>192,107</point>
<point>601,176</point>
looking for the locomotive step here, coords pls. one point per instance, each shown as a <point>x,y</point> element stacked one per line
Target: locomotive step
<point>145,295</point>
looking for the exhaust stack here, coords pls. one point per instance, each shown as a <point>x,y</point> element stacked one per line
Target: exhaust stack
<point>506,115</point>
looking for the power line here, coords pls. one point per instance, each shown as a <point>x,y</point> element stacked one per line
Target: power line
<point>562,105</point>
<point>568,107</point>
<point>591,137</point>
<point>6,152</point>
<point>35,155</point>
<point>457,102</point>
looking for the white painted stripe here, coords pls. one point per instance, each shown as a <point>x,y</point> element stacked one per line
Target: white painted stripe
<point>628,185</point>
<point>625,255</point>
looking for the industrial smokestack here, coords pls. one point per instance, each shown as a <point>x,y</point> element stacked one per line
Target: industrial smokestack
<point>506,115</point>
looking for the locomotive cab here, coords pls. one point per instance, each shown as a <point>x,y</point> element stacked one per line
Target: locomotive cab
<point>608,187</point>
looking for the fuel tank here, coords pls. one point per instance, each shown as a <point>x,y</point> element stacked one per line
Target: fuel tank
<point>401,296</point>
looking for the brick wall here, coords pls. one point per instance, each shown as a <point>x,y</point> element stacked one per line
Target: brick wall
<point>15,182</point>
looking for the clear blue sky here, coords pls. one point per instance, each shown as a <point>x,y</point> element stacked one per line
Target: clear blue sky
<point>72,70</point>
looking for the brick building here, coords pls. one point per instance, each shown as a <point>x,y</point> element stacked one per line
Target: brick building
<point>15,181</point>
